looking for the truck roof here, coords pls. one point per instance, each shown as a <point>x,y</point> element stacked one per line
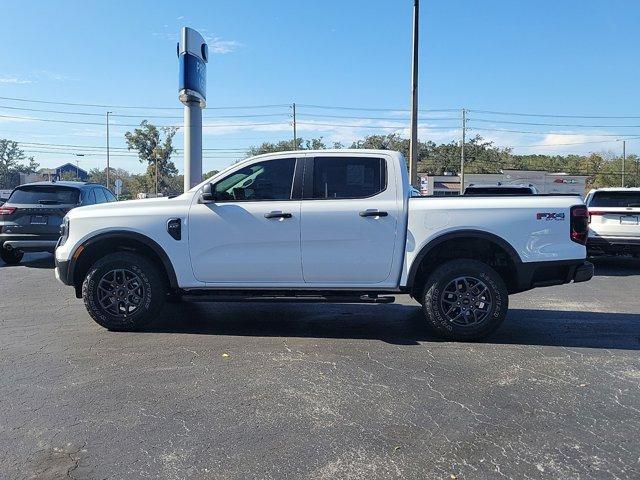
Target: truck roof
<point>359,151</point>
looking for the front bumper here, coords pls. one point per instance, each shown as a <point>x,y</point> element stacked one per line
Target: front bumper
<point>62,272</point>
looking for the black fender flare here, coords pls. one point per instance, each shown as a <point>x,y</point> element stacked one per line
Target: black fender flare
<point>129,235</point>
<point>475,234</point>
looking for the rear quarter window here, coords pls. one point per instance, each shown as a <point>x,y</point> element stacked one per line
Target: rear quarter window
<point>45,195</point>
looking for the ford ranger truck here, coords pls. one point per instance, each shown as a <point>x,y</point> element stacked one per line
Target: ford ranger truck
<point>330,226</point>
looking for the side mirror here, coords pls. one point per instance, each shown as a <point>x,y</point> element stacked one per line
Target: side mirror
<point>207,193</point>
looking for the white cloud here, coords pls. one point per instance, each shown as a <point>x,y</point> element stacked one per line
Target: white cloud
<point>14,80</point>
<point>217,45</point>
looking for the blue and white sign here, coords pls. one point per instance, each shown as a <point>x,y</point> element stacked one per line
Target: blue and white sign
<point>193,55</point>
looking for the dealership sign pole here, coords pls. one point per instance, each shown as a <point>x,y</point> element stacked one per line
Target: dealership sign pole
<point>193,55</point>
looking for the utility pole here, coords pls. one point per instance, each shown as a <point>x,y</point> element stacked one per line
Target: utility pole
<point>295,135</point>
<point>464,135</point>
<point>624,158</point>
<point>155,167</point>
<point>413,145</point>
<point>108,149</point>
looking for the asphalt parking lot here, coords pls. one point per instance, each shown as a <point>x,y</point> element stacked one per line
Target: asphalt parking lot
<point>231,391</point>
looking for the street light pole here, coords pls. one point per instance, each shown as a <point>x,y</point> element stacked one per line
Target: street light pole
<point>295,135</point>
<point>413,145</point>
<point>624,158</point>
<point>108,149</point>
<point>464,135</point>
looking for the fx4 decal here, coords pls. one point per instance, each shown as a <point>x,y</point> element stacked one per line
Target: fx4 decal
<point>558,216</point>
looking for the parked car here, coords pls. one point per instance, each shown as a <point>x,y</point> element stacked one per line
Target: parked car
<point>614,221</point>
<point>328,225</point>
<point>30,219</point>
<point>500,189</point>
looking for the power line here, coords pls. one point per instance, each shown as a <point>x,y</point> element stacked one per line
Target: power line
<point>369,109</point>
<point>555,133</point>
<point>92,114</point>
<point>375,118</point>
<point>135,124</point>
<point>233,107</point>
<point>397,127</point>
<point>486,120</point>
<point>112,148</point>
<point>553,115</point>
<point>570,143</point>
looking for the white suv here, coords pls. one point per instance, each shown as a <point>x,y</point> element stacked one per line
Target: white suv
<point>614,221</point>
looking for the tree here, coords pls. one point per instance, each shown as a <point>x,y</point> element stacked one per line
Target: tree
<point>285,145</point>
<point>68,176</point>
<point>10,157</point>
<point>209,174</point>
<point>156,152</point>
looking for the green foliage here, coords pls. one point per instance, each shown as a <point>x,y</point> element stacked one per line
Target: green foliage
<point>209,174</point>
<point>156,152</point>
<point>286,145</point>
<point>68,176</point>
<point>11,157</point>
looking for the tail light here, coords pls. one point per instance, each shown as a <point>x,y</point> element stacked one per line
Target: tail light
<point>7,210</point>
<point>579,224</point>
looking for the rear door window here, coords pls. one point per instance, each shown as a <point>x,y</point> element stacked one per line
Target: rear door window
<point>45,195</point>
<point>347,177</point>
<point>615,199</point>
<point>100,196</point>
<point>88,197</point>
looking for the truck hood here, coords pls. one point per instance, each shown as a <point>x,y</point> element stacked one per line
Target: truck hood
<point>147,206</point>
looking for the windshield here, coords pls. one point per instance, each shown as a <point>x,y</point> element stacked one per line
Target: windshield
<point>615,199</point>
<point>44,195</point>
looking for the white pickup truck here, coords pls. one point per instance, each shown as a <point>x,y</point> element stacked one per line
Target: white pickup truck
<point>328,225</point>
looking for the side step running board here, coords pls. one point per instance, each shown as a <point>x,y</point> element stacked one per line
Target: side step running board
<point>204,296</point>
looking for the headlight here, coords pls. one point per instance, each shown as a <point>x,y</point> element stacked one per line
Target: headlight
<point>64,230</point>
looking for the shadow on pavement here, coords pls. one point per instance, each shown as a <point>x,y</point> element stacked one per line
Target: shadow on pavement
<point>616,266</point>
<point>33,260</point>
<point>395,324</point>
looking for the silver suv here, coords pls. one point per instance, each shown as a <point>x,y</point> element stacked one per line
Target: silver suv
<point>614,221</point>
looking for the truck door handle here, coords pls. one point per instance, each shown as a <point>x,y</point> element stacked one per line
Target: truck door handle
<point>277,215</point>
<point>373,213</point>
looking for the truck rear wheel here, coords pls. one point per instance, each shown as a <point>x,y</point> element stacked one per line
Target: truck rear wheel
<point>465,300</point>
<point>123,291</point>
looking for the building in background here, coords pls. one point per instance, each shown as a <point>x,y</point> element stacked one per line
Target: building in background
<point>70,168</point>
<point>545,182</point>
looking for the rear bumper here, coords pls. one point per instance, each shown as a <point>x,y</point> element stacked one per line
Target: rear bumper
<point>545,274</point>
<point>601,241</point>
<point>29,243</point>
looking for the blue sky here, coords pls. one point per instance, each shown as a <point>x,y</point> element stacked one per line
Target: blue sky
<point>548,57</point>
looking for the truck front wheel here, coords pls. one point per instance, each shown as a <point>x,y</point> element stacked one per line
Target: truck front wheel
<point>123,291</point>
<point>465,300</point>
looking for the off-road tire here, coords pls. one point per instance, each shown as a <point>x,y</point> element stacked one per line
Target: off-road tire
<point>11,257</point>
<point>434,291</point>
<point>152,286</point>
